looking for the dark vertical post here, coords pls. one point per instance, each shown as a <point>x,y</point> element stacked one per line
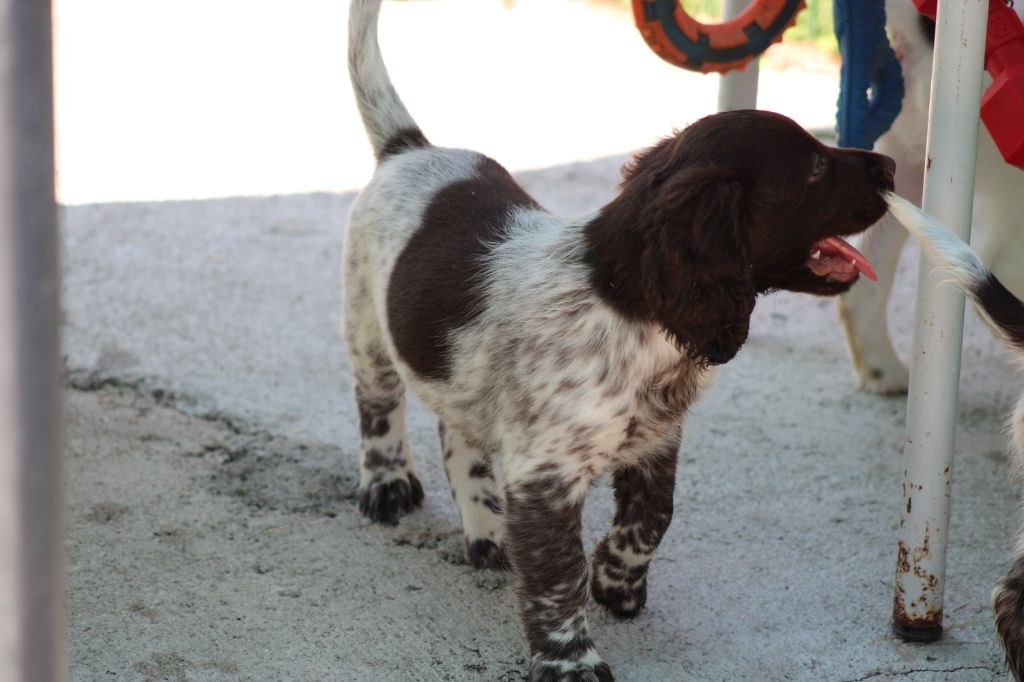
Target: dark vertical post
<point>31,623</point>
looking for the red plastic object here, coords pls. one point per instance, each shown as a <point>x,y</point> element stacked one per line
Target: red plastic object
<point>1002,105</point>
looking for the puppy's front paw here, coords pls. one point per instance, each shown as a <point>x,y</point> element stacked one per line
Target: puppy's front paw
<point>621,599</point>
<point>570,671</point>
<point>484,553</point>
<point>618,588</point>
<point>387,501</point>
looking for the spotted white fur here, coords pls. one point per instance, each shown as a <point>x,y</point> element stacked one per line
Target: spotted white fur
<point>546,369</point>
<point>475,490</point>
<point>548,380</point>
<point>556,350</point>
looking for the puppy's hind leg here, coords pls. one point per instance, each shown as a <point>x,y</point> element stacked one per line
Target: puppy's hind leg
<point>476,494</point>
<point>389,485</point>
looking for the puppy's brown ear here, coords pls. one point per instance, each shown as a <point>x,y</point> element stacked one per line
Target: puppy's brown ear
<point>696,263</point>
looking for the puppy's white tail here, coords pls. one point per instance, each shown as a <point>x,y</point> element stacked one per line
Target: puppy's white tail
<point>388,123</point>
<point>1004,311</point>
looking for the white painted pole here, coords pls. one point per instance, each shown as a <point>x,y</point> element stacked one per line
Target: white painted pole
<point>31,624</point>
<point>738,89</point>
<point>935,358</point>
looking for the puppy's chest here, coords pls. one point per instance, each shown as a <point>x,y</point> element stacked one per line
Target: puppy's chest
<point>652,415</point>
<point>602,410</point>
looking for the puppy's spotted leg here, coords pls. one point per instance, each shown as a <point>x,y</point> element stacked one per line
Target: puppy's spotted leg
<point>389,485</point>
<point>471,476</point>
<point>643,511</point>
<point>544,545</point>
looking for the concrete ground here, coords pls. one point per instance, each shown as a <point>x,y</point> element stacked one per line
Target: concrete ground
<point>212,533</point>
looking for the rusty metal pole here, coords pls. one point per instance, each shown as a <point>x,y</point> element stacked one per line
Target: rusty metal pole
<point>935,359</point>
<point>738,89</point>
<point>31,623</point>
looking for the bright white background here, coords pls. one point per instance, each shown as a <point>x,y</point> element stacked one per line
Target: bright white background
<point>171,99</point>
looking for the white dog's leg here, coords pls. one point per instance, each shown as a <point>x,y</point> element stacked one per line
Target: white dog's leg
<point>863,309</point>
<point>863,314</point>
<point>476,494</point>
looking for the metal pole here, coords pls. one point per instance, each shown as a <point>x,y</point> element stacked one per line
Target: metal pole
<point>737,89</point>
<point>31,623</point>
<point>935,360</point>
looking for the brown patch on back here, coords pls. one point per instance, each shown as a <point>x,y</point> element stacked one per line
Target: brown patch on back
<point>435,285</point>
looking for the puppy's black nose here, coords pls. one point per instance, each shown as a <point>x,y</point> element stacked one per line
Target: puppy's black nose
<point>883,169</point>
<point>888,167</point>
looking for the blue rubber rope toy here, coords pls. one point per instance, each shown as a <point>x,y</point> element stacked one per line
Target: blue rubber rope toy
<point>871,79</point>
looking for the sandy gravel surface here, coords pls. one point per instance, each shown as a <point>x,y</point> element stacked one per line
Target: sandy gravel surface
<point>211,433</point>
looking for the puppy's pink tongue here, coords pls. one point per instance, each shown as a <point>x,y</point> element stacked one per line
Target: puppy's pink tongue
<point>836,247</point>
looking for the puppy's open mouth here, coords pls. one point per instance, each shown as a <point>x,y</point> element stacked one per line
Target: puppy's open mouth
<point>836,259</point>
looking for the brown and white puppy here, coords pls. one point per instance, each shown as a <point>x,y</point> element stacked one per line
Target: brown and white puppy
<point>1005,315</point>
<point>998,197</point>
<point>563,349</point>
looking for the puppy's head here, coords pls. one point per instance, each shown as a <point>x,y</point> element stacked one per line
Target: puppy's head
<point>741,203</point>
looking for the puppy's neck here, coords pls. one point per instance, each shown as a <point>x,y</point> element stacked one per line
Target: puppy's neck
<point>674,260</point>
<point>613,255</point>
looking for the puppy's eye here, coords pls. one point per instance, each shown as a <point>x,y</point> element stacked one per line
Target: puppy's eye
<point>818,167</point>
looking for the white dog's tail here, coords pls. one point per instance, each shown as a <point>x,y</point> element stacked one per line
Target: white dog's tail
<point>1005,313</point>
<point>389,125</point>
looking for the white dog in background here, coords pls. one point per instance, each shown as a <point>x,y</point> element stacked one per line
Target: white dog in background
<point>999,202</point>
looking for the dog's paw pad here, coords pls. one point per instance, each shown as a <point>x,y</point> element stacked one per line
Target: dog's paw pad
<point>891,381</point>
<point>483,553</point>
<point>550,673</point>
<point>388,501</point>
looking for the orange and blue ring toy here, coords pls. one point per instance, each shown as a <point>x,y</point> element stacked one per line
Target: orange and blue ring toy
<point>680,39</point>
